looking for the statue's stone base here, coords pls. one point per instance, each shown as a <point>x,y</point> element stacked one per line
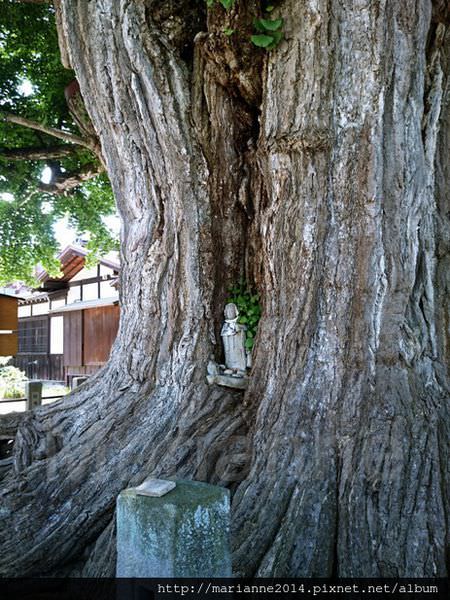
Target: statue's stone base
<point>221,375</point>
<point>184,533</point>
<point>239,383</point>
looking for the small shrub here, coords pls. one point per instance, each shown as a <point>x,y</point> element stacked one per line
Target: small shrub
<point>12,380</point>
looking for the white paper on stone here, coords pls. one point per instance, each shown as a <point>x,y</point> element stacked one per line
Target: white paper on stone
<point>155,488</point>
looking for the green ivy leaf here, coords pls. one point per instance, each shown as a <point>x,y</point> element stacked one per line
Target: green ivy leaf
<point>277,37</point>
<point>270,25</point>
<point>262,40</point>
<point>247,302</point>
<point>269,8</point>
<point>227,4</point>
<point>228,32</point>
<point>258,26</point>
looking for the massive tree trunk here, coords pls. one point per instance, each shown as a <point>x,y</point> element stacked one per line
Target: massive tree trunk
<point>320,172</point>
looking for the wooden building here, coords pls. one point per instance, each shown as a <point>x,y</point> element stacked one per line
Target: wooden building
<point>8,325</point>
<point>67,326</point>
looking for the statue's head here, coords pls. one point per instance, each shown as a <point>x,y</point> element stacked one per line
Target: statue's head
<point>231,312</point>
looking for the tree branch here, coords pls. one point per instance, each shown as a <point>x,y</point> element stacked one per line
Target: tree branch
<point>64,183</point>
<point>58,133</point>
<point>62,41</point>
<point>38,152</point>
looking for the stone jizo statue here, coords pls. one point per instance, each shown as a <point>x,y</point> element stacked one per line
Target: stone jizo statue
<point>233,338</point>
<point>233,373</point>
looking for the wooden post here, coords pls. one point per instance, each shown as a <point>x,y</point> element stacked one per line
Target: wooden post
<point>33,393</point>
<point>77,381</point>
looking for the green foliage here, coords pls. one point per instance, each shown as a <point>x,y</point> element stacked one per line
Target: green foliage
<point>11,380</point>
<point>269,32</point>
<point>261,40</point>
<point>227,4</point>
<point>26,239</point>
<point>269,25</point>
<point>29,52</point>
<point>247,302</point>
<point>26,227</point>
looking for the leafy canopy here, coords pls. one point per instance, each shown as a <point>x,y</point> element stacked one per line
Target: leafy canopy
<point>32,82</point>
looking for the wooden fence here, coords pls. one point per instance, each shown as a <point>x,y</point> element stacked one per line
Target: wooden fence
<point>40,366</point>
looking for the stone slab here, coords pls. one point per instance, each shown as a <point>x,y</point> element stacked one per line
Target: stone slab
<point>238,383</point>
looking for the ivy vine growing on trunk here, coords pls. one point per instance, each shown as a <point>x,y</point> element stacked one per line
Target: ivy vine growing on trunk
<point>247,302</point>
<point>268,32</point>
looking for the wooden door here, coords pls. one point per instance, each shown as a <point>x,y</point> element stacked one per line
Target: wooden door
<point>73,338</point>
<point>8,322</point>
<point>100,330</point>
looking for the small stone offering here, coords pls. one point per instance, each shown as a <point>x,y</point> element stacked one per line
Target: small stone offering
<point>155,488</point>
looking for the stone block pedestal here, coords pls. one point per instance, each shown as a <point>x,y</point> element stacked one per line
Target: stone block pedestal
<point>182,534</point>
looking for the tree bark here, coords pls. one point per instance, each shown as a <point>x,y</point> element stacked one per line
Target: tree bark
<point>325,180</point>
<point>356,396</point>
